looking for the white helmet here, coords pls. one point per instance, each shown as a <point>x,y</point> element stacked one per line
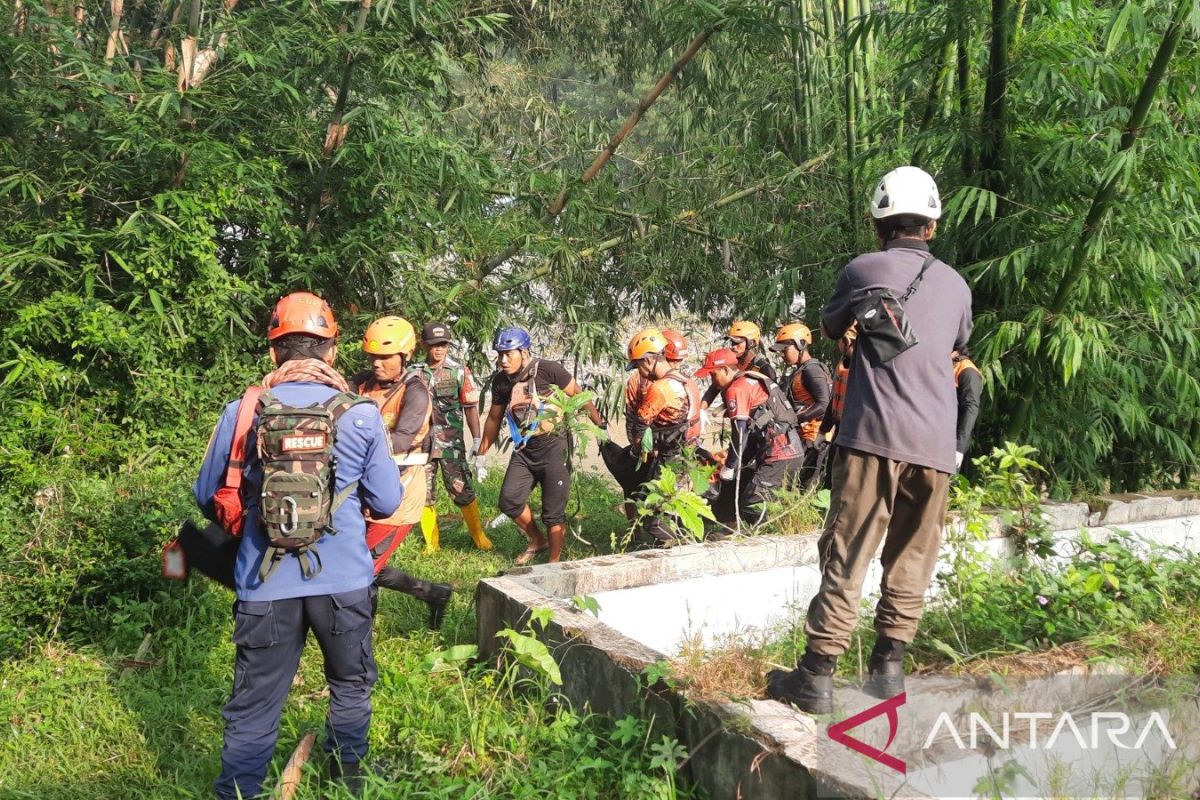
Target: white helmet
<point>906,190</point>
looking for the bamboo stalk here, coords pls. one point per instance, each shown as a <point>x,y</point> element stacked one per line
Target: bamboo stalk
<point>994,123</point>
<point>335,132</point>
<point>851,117</point>
<point>157,29</point>
<point>963,66</point>
<point>560,201</point>
<point>1102,201</point>
<point>114,31</point>
<point>187,57</point>
<point>632,120</point>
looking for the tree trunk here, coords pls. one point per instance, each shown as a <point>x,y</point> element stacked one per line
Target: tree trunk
<point>1098,211</point>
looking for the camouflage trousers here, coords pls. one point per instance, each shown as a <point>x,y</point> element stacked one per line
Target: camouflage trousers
<point>456,475</point>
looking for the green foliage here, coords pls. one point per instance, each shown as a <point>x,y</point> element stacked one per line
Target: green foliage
<point>1051,592</point>
<point>794,510</point>
<point>675,505</point>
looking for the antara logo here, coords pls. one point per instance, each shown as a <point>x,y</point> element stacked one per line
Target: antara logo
<point>294,443</point>
<point>837,732</point>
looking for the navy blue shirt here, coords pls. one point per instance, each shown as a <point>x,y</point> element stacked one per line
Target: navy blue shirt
<point>363,454</point>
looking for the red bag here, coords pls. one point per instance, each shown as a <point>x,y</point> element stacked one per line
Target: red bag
<point>227,502</point>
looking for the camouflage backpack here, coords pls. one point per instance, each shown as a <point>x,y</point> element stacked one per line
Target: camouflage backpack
<point>295,445</point>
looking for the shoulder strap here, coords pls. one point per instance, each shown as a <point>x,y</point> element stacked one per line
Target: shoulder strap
<point>912,287</point>
<point>342,402</point>
<point>237,450</point>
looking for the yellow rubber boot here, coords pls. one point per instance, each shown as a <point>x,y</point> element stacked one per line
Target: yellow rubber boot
<point>429,529</point>
<point>470,514</point>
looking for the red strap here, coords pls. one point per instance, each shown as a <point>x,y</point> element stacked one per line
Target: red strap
<point>237,451</point>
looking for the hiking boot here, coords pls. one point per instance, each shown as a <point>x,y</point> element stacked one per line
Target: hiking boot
<point>437,600</point>
<point>885,679</point>
<point>885,669</point>
<point>347,773</point>
<point>806,690</point>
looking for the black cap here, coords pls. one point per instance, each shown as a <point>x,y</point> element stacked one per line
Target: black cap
<point>435,333</point>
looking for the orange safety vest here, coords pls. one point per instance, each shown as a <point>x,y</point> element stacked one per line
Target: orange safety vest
<point>390,401</point>
<point>801,398</point>
<point>841,379</point>
<point>963,364</point>
<point>691,414</point>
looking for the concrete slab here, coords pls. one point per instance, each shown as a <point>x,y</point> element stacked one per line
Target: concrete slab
<point>651,602</point>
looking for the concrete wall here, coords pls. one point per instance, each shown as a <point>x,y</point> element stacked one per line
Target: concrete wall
<point>758,750</point>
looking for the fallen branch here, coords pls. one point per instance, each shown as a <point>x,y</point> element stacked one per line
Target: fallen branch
<point>289,780</point>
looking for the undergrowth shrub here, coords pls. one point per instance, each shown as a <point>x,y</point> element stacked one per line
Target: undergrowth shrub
<point>83,549</point>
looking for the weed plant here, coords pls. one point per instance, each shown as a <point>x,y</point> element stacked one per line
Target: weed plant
<point>87,721</point>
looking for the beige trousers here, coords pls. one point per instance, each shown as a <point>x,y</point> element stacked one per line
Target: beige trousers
<point>874,500</point>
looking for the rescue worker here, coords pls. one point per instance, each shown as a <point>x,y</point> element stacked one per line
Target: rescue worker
<point>540,454</point>
<point>807,386</point>
<point>827,435</point>
<point>896,443</point>
<point>677,348</point>
<point>968,384</point>
<point>764,446</point>
<point>744,339</point>
<point>272,619</point>
<point>670,411</point>
<point>403,400</point>
<point>455,401</point>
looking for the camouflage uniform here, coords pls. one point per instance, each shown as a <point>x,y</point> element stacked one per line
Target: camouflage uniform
<point>453,389</point>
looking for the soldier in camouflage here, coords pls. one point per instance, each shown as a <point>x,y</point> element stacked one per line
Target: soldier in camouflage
<point>455,401</point>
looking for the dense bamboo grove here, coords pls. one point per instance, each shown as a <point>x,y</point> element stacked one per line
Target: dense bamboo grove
<point>168,167</point>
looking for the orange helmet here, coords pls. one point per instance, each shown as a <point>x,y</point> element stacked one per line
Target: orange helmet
<point>302,312</point>
<point>388,336</point>
<point>792,333</point>
<point>677,349</point>
<point>646,342</point>
<point>745,330</point>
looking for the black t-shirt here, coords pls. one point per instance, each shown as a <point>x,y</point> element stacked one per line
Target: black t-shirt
<point>545,375</point>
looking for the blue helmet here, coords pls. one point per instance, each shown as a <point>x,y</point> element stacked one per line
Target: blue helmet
<point>511,339</point>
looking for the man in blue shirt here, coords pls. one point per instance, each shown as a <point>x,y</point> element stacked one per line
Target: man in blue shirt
<point>272,617</point>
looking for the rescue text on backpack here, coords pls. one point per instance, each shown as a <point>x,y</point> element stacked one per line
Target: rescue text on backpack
<point>295,446</point>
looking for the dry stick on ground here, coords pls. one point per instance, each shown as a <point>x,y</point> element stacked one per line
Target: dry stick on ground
<point>289,780</point>
<point>630,123</point>
<point>1098,211</point>
<point>335,133</point>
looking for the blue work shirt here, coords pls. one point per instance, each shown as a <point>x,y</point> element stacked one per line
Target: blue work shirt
<point>363,454</point>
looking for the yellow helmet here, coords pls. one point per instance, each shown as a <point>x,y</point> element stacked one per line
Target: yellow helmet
<point>743,329</point>
<point>792,332</point>
<point>646,342</point>
<point>388,336</point>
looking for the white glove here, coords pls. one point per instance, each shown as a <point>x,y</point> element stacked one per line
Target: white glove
<point>480,468</point>
<point>726,473</point>
<point>958,459</point>
<point>474,449</point>
<point>705,421</point>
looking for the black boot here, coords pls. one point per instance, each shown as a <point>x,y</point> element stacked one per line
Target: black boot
<point>885,669</point>
<point>347,773</point>
<point>437,598</point>
<point>809,687</point>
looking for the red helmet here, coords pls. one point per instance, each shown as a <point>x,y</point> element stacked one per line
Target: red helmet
<point>721,357</point>
<point>302,312</point>
<point>677,349</point>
